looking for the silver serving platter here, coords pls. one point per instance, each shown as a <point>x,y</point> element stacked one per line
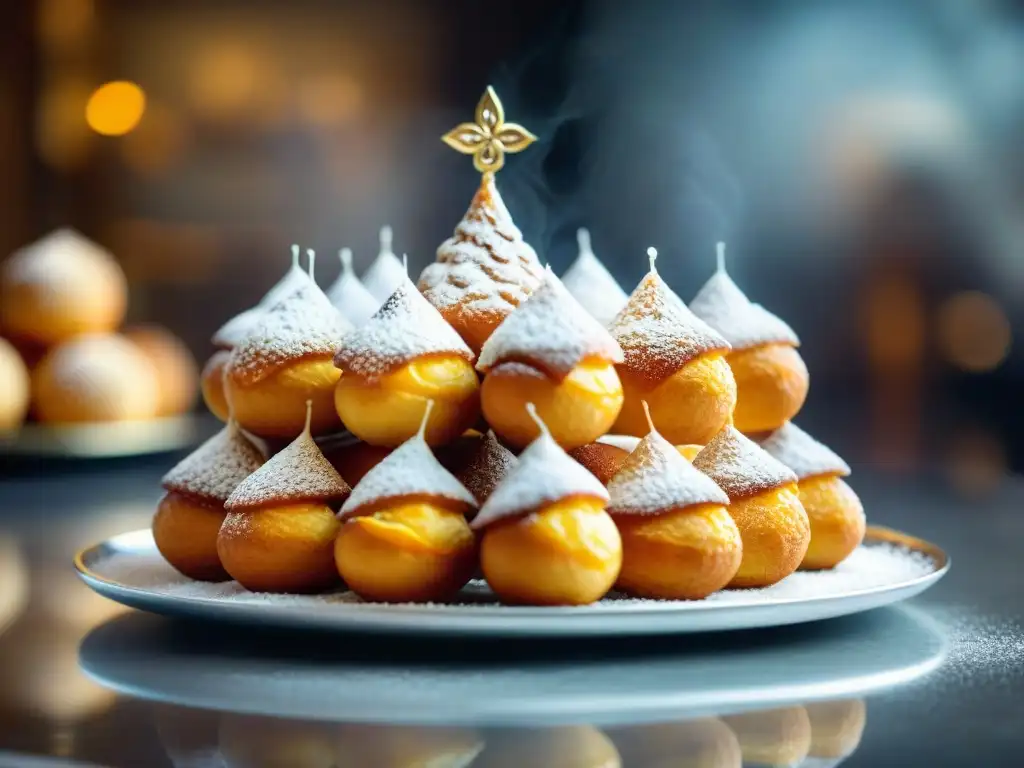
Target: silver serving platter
<point>122,568</point>
<point>104,440</point>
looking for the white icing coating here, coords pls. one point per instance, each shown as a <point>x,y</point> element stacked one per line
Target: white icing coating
<point>489,464</point>
<point>592,284</point>
<point>349,295</point>
<point>723,306</point>
<point>303,324</point>
<point>802,453</point>
<point>551,331</point>
<point>215,468</point>
<point>294,279</point>
<point>655,478</point>
<point>409,470</point>
<point>386,272</point>
<point>544,475</point>
<point>486,266</point>
<point>299,473</point>
<point>740,466</point>
<point>405,327</point>
<point>658,333</point>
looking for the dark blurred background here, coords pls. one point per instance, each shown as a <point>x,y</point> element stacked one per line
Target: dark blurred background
<point>862,160</point>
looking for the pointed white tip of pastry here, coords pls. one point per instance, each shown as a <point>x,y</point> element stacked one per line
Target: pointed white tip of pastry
<point>385,238</point>
<point>652,254</point>
<point>405,263</point>
<point>422,433</point>
<point>720,253</point>
<point>345,254</point>
<point>312,261</point>
<point>295,254</point>
<point>583,240</point>
<point>309,419</point>
<point>647,413</point>
<point>532,410</point>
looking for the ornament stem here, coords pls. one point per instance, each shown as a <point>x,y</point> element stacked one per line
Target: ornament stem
<point>652,254</point>
<point>309,418</point>
<point>532,410</point>
<point>312,262</point>
<point>295,254</point>
<point>422,433</point>
<point>647,413</point>
<point>583,240</point>
<point>720,256</point>
<point>386,236</point>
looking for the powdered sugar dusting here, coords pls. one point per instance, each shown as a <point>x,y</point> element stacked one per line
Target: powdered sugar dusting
<point>95,367</point>
<point>488,465</point>
<point>739,466</point>
<point>350,297</point>
<point>551,331</point>
<point>869,566</point>
<point>296,474</point>
<point>238,327</point>
<point>303,324</point>
<point>802,453</point>
<point>294,279</point>
<point>58,261</point>
<point>723,306</point>
<point>409,470</point>
<point>384,275</point>
<point>215,468</point>
<point>405,327</point>
<point>655,478</point>
<point>594,287</point>
<point>486,266</point>
<point>545,474</point>
<point>658,333</point>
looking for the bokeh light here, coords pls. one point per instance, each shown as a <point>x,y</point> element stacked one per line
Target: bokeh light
<point>973,332</point>
<point>329,100</point>
<point>224,81</point>
<point>115,108</point>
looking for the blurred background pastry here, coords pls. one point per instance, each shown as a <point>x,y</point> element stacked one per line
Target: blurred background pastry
<point>175,367</point>
<point>15,388</point>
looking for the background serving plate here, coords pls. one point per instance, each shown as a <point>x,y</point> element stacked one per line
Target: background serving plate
<point>105,440</point>
<point>129,570</point>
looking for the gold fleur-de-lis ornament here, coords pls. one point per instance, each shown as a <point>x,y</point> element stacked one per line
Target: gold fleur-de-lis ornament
<point>490,137</point>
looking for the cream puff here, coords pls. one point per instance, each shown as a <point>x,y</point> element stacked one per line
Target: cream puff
<point>834,510</point>
<point>836,727</point>
<point>285,361</point>
<point>387,271</point>
<point>404,536</point>
<point>545,536</point>
<point>484,271</point>
<point>602,460</point>
<point>189,516</point>
<point>552,353</point>
<point>765,504</point>
<point>278,535</point>
<point>678,540</point>
<point>479,462</point>
<point>592,285</point>
<point>211,382</point>
<point>61,286</point>
<point>349,295</point>
<point>15,387</point>
<point>571,746</point>
<point>394,363</point>
<point>174,364</point>
<point>675,363</point>
<point>701,743</point>
<point>771,377</point>
<point>773,736</point>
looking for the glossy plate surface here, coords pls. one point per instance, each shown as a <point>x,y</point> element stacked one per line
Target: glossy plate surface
<point>129,570</point>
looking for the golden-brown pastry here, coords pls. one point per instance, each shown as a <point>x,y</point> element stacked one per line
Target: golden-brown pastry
<point>95,378</point>
<point>404,536</point>
<point>836,727</point>
<point>835,513</point>
<point>394,363</point>
<point>678,540</point>
<point>59,287</point>
<point>601,459</point>
<point>14,388</point>
<point>553,354</point>
<point>702,743</point>
<point>285,361</point>
<point>567,746</point>
<point>250,741</point>
<point>403,746</point>
<point>479,462</point>
<point>689,452</point>
<point>674,362</point>
<point>764,502</point>
<point>546,538</point>
<point>779,737</point>
<point>279,532</point>
<point>771,378</point>
<point>484,271</point>
<point>592,285</point>
<point>354,460</point>
<point>348,294</point>
<point>175,367</point>
<point>190,514</point>
<point>387,271</point>
<point>211,381</point>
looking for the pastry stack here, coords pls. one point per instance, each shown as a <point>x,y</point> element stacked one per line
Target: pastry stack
<point>482,409</point>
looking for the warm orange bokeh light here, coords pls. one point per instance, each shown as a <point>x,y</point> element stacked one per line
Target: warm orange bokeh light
<point>973,332</point>
<point>115,108</point>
